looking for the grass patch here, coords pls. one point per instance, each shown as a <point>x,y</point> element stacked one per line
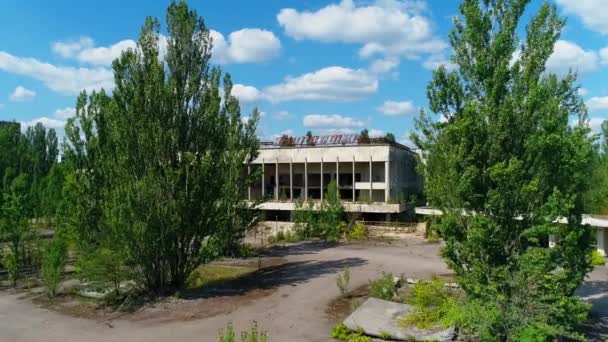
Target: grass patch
<point>214,274</point>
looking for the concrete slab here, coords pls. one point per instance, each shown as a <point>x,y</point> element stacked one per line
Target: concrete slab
<point>379,317</point>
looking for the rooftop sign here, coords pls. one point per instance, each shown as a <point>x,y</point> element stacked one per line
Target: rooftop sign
<point>337,139</point>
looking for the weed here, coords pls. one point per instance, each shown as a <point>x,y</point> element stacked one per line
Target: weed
<point>251,335</point>
<point>10,263</point>
<point>597,259</point>
<point>385,335</point>
<point>343,281</point>
<point>383,287</point>
<point>433,305</point>
<point>341,332</point>
<point>53,264</point>
<point>358,231</point>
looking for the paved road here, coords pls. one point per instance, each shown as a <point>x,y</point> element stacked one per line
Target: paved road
<point>294,312</point>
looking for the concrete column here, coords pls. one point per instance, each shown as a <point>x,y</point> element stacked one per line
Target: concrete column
<point>601,240</point>
<point>291,180</point>
<point>321,178</point>
<point>249,187</point>
<point>354,199</point>
<point>371,181</point>
<point>263,183</point>
<point>306,179</point>
<point>387,182</point>
<point>338,174</point>
<point>276,181</point>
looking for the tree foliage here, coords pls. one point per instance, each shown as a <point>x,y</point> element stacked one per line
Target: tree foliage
<point>503,165</point>
<point>161,163</point>
<point>596,199</point>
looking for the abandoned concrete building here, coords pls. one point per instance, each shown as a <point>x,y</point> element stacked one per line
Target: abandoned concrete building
<point>375,177</point>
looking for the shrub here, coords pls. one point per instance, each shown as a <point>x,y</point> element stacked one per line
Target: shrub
<point>358,231</point>
<point>104,268</point>
<point>383,287</point>
<point>53,263</point>
<point>341,332</point>
<point>597,259</point>
<point>251,335</point>
<point>433,305</point>
<point>343,281</point>
<point>10,263</point>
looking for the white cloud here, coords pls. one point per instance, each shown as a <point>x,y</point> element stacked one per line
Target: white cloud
<point>245,46</point>
<point>331,83</point>
<point>583,91</point>
<point>46,122</point>
<point>85,51</point>
<point>435,61</point>
<point>596,124</point>
<point>333,131</point>
<point>384,65</point>
<point>65,113</point>
<point>385,27</point>
<point>376,133</point>
<point>21,94</point>
<point>568,55</point>
<point>394,108</point>
<point>105,55</point>
<point>64,80</point>
<point>246,94</point>
<point>331,121</point>
<point>282,115</point>
<point>592,12</point>
<point>604,55</point>
<point>597,103</point>
<point>70,48</point>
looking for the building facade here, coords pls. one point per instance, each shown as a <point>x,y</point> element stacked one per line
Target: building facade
<point>375,178</point>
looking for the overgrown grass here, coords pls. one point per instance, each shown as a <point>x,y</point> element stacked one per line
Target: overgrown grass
<point>341,332</point>
<point>434,305</point>
<point>383,287</point>
<point>214,274</point>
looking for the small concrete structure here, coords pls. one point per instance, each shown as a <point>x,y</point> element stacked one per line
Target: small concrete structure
<point>379,317</point>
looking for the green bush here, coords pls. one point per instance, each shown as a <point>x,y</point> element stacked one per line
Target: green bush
<point>597,259</point>
<point>343,281</point>
<point>358,231</point>
<point>251,335</point>
<point>10,263</point>
<point>383,287</point>
<point>433,305</point>
<point>104,268</point>
<point>53,264</point>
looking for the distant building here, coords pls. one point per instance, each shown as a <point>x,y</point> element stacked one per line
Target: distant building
<point>375,177</point>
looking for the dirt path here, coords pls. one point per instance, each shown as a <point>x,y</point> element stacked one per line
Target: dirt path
<point>294,311</point>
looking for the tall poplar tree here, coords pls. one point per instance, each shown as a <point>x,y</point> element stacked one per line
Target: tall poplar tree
<point>503,165</point>
<point>168,153</point>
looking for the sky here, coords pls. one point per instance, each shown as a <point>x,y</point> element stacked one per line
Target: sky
<point>325,66</point>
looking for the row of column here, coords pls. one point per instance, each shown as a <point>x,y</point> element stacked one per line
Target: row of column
<point>371,181</point>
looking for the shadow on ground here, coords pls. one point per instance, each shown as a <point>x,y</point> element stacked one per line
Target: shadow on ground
<point>595,292</point>
<point>290,273</point>
<point>297,249</point>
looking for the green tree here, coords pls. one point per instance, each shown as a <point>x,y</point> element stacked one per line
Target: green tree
<point>164,156</point>
<point>331,213</point>
<point>596,199</point>
<point>53,264</point>
<point>389,137</point>
<point>364,136</point>
<point>503,166</point>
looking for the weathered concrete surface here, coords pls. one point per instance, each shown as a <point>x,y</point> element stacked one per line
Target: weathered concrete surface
<point>378,317</point>
<point>294,312</point>
<point>595,292</point>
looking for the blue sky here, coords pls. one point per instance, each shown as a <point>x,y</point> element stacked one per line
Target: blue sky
<point>325,66</point>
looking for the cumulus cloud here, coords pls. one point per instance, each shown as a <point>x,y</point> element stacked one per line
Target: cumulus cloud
<point>331,83</point>
<point>246,94</point>
<point>583,91</point>
<point>64,80</point>
<point>597,103</point>
<point>376,133</point>
<point>21,94</point>
<point>394,108</point>
<point>385,27</point>
<point>85,51</point>
<point>435,61</point>
<point>592,12</point>
<point>70,48</point>
<point>245,46</point>
<point>383,65</point>
<point>331,121</point>
<point>65,113</point>
<point>568,55</point>
<point>55,124</point>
